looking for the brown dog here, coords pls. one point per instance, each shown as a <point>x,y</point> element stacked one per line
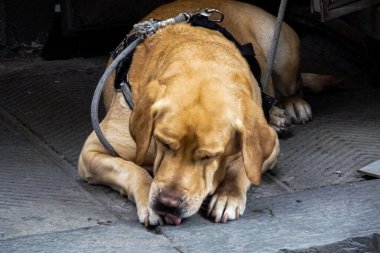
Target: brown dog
<point>198,119</point>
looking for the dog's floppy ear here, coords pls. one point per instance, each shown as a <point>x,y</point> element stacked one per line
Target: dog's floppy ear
<point>141,120</point>
<point>259,143</point>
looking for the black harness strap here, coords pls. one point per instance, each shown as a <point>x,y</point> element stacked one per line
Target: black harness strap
<point>123,67</point>
<point>247,51</point>
<point>121,78</point>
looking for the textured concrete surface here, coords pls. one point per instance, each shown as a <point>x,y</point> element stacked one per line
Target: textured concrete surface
<point>37,195</point>
<point>108,238</point>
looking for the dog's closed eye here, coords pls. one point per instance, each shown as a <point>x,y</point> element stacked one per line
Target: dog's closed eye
<point>167,144</point>
<point>205,156</point>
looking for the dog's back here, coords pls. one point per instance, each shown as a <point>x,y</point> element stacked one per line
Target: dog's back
<point>248,24</point>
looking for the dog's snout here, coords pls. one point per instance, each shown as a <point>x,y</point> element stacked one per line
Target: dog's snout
<point>171,199</point>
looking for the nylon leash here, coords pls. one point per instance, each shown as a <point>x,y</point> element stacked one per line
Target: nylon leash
<point>98,92</point>
<point>273,48</point>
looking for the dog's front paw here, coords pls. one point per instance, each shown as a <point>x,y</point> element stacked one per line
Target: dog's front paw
<point>148,217</point>
<point>298,109</point>
<point>226,206</point>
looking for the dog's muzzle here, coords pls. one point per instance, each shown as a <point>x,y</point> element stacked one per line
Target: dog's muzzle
<point>170,204</point>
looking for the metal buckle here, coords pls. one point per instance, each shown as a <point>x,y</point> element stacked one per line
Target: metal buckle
<point>213,15</point>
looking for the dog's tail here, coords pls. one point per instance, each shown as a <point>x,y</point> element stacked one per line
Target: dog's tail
<point>316,83</point>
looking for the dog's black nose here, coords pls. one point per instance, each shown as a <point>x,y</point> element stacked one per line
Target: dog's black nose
<point>171,199</point>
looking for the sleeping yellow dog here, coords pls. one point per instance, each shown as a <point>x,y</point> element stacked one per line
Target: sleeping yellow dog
<point>198,127</point>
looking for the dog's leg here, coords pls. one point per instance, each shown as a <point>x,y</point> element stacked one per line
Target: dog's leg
<point>97,167</point>
<point>287,80</point>
<point>229,200</point>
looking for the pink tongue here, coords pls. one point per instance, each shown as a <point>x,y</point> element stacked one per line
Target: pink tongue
<point>176,220</point>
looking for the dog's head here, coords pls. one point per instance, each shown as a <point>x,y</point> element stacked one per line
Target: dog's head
<point>197,129</point>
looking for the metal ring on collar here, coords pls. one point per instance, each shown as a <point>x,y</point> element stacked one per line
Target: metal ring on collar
<point>206,12</point>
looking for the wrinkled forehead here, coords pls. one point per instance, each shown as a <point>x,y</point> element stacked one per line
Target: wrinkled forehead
<point>211,125</point>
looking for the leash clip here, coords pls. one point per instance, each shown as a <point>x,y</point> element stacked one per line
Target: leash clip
<point>213,15</point>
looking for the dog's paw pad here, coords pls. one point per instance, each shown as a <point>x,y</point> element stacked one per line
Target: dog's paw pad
<point>223,207</point>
